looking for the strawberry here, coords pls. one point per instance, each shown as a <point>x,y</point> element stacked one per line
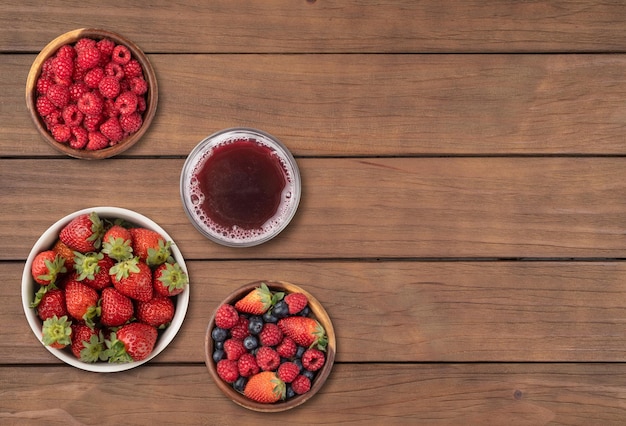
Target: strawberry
<point>301,384</point>
<point>150,246</point>
<point>287,371</point>
<point>66,253</point>
<point>169,279</point>
<point>132,342</point>
<point>115,308</point>
<point>270,335</point>
<point>52,303</point>
<point>304,331</point>
<point>296,302</point>
<point>157,312</point>
<point>56,332</point>
<point>93,269</point>
<point>133,278</point>
<point>265,387</point>
<point>226,316</point>
<point>83,233</point>
<point>258,300</point>
<point>267,358</point>
<point>227,370</point>
<point>87,343</point>
<point>313,359</point>
<point>117,243</point>
<point>46,266</point>
<point>82,302</point>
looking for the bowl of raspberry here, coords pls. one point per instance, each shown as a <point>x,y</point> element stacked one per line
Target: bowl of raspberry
<point>270,346</point>
<point>105,289</point>
<point>91,93</point>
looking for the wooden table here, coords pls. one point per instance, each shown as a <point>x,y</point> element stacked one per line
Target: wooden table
<point>463,209</point>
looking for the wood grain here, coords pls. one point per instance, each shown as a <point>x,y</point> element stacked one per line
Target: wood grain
<point>406,311</point>
<point>369,105</point>
<point>322,26</point>
<point>356,208</point>
<point>524,394</point>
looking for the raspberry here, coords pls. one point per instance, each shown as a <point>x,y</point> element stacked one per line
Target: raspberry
<point>77,90</point>
<point>79,137</point>
<point>63,67</point>
<point>247,365</point>
<point>121,55</point>
<point>234,349</point>
<point>109,109</point>
<point>79,74</point>
<point>287,348</point>
<point>227,370</point>
<point>96,141</point>
<point>83,43</point>
<point>239,331</point>
<point>138,86</point>
<point>114,70</point>
<point>126,102</point>
<point>88,58</point>
<point>270,335</point>
<point>59,95</point>
<point>90,104</point>
<point>93,77</point>
<point>226,316</point>
<point>53,118</point>
<point>61,132</point>
<point>106,46</point>
<point>43,84</point>
<point>313,359</point>
<point>287,371</point>
<point>109,87</point>
<point>141,104</point>
<point>301,384</point>
<point>66,51</point>
<point>44,106</point>
<point>112,130</point>
<point>296,302</point>
<point>92,122</point>
<point>72,115</point>
<point>133,69</point>
<point>131,123</point>
<point>267,358</point>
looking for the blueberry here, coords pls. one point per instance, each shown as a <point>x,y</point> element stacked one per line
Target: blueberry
<point>250,342</point>
<point>218,354</point>
<point>305,311</point>
<point>219,345</point>
<point>307,373</point>
<point>255,325</point>
<point>300,351</point>
<point>269,317</point>
<point>219,334</point>
<point>281,309</point>
<point>289,393</point>
<point>240,384</point>
<point>298,362</point>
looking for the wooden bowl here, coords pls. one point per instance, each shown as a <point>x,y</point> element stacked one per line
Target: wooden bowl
<point>70,38</point>
<point>317,311</point>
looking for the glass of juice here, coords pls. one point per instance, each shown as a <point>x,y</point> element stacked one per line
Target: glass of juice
<point>240,187</point>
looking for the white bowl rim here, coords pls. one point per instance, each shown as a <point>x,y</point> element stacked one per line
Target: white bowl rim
<point>182,301</point>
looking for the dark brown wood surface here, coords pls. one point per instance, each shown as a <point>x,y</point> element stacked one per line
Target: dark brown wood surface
<point>463,214</point>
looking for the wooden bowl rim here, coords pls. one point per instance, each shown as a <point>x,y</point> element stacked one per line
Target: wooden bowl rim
<point>71,37</point>
<point>318,312</point>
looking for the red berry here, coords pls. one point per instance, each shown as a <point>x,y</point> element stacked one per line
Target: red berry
<point>126,102</point>
<point>59,95</point>
<point>106,46</point>
<point>121,54</point>
<point>270,335</point>
<point>227,370</point>
<point>313,359</point>
<point>90,104</point>
<point>52,303</point>
<point>88,58</point>
<point>226,316</point>
<point>138,86</point>
<point>301,384</point>
<point>112,130</point>
<point>96,141</point>
<point>287,371</point>
<point>131,123</point>
<point>296,302</point>
<point>247,365</point>
<point>93,76</point>
<point>240,330</point>
<point>92,122</point>
<point>234,349</point>
<point>133,69</point>
<point>109,87</point>
<point>43,84</point>
<point>77,90</point>
<point>44,106</point>
<point>158,311</point>
<point>267,358</point>
<point>63,67</point>
<point>72,115</point>
<point>66,51</point>
<point>61,132</point>
<point>84,43</point>
<point>287,348</point>
<point>79,137</point>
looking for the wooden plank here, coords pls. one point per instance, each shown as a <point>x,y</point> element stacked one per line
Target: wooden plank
<point>356,208</point>
<point>319,26</point>
<point>524,394</point>
<point>364,105</point>
<point>406,311</point>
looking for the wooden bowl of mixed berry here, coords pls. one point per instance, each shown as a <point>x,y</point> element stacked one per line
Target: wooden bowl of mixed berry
<point>270,346</point>
<point>105,289</point>
<point>91,93</point>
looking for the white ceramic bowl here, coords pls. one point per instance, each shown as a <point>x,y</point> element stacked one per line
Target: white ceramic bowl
<point>46,241</point>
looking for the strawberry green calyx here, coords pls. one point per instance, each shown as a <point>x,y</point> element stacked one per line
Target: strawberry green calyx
<point>56,332</point>
<point>92,314</point>
<point>40,293</point>
<point>94,349</point>
<point>160,255</point>
<point>97,230</point>
<point>87,264</point>
<point>54,268</point>
<point>124,268</point>
<point>117,248</point>
<point>321,340</point>
<point>116,350</point>
<point>173,277</point>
